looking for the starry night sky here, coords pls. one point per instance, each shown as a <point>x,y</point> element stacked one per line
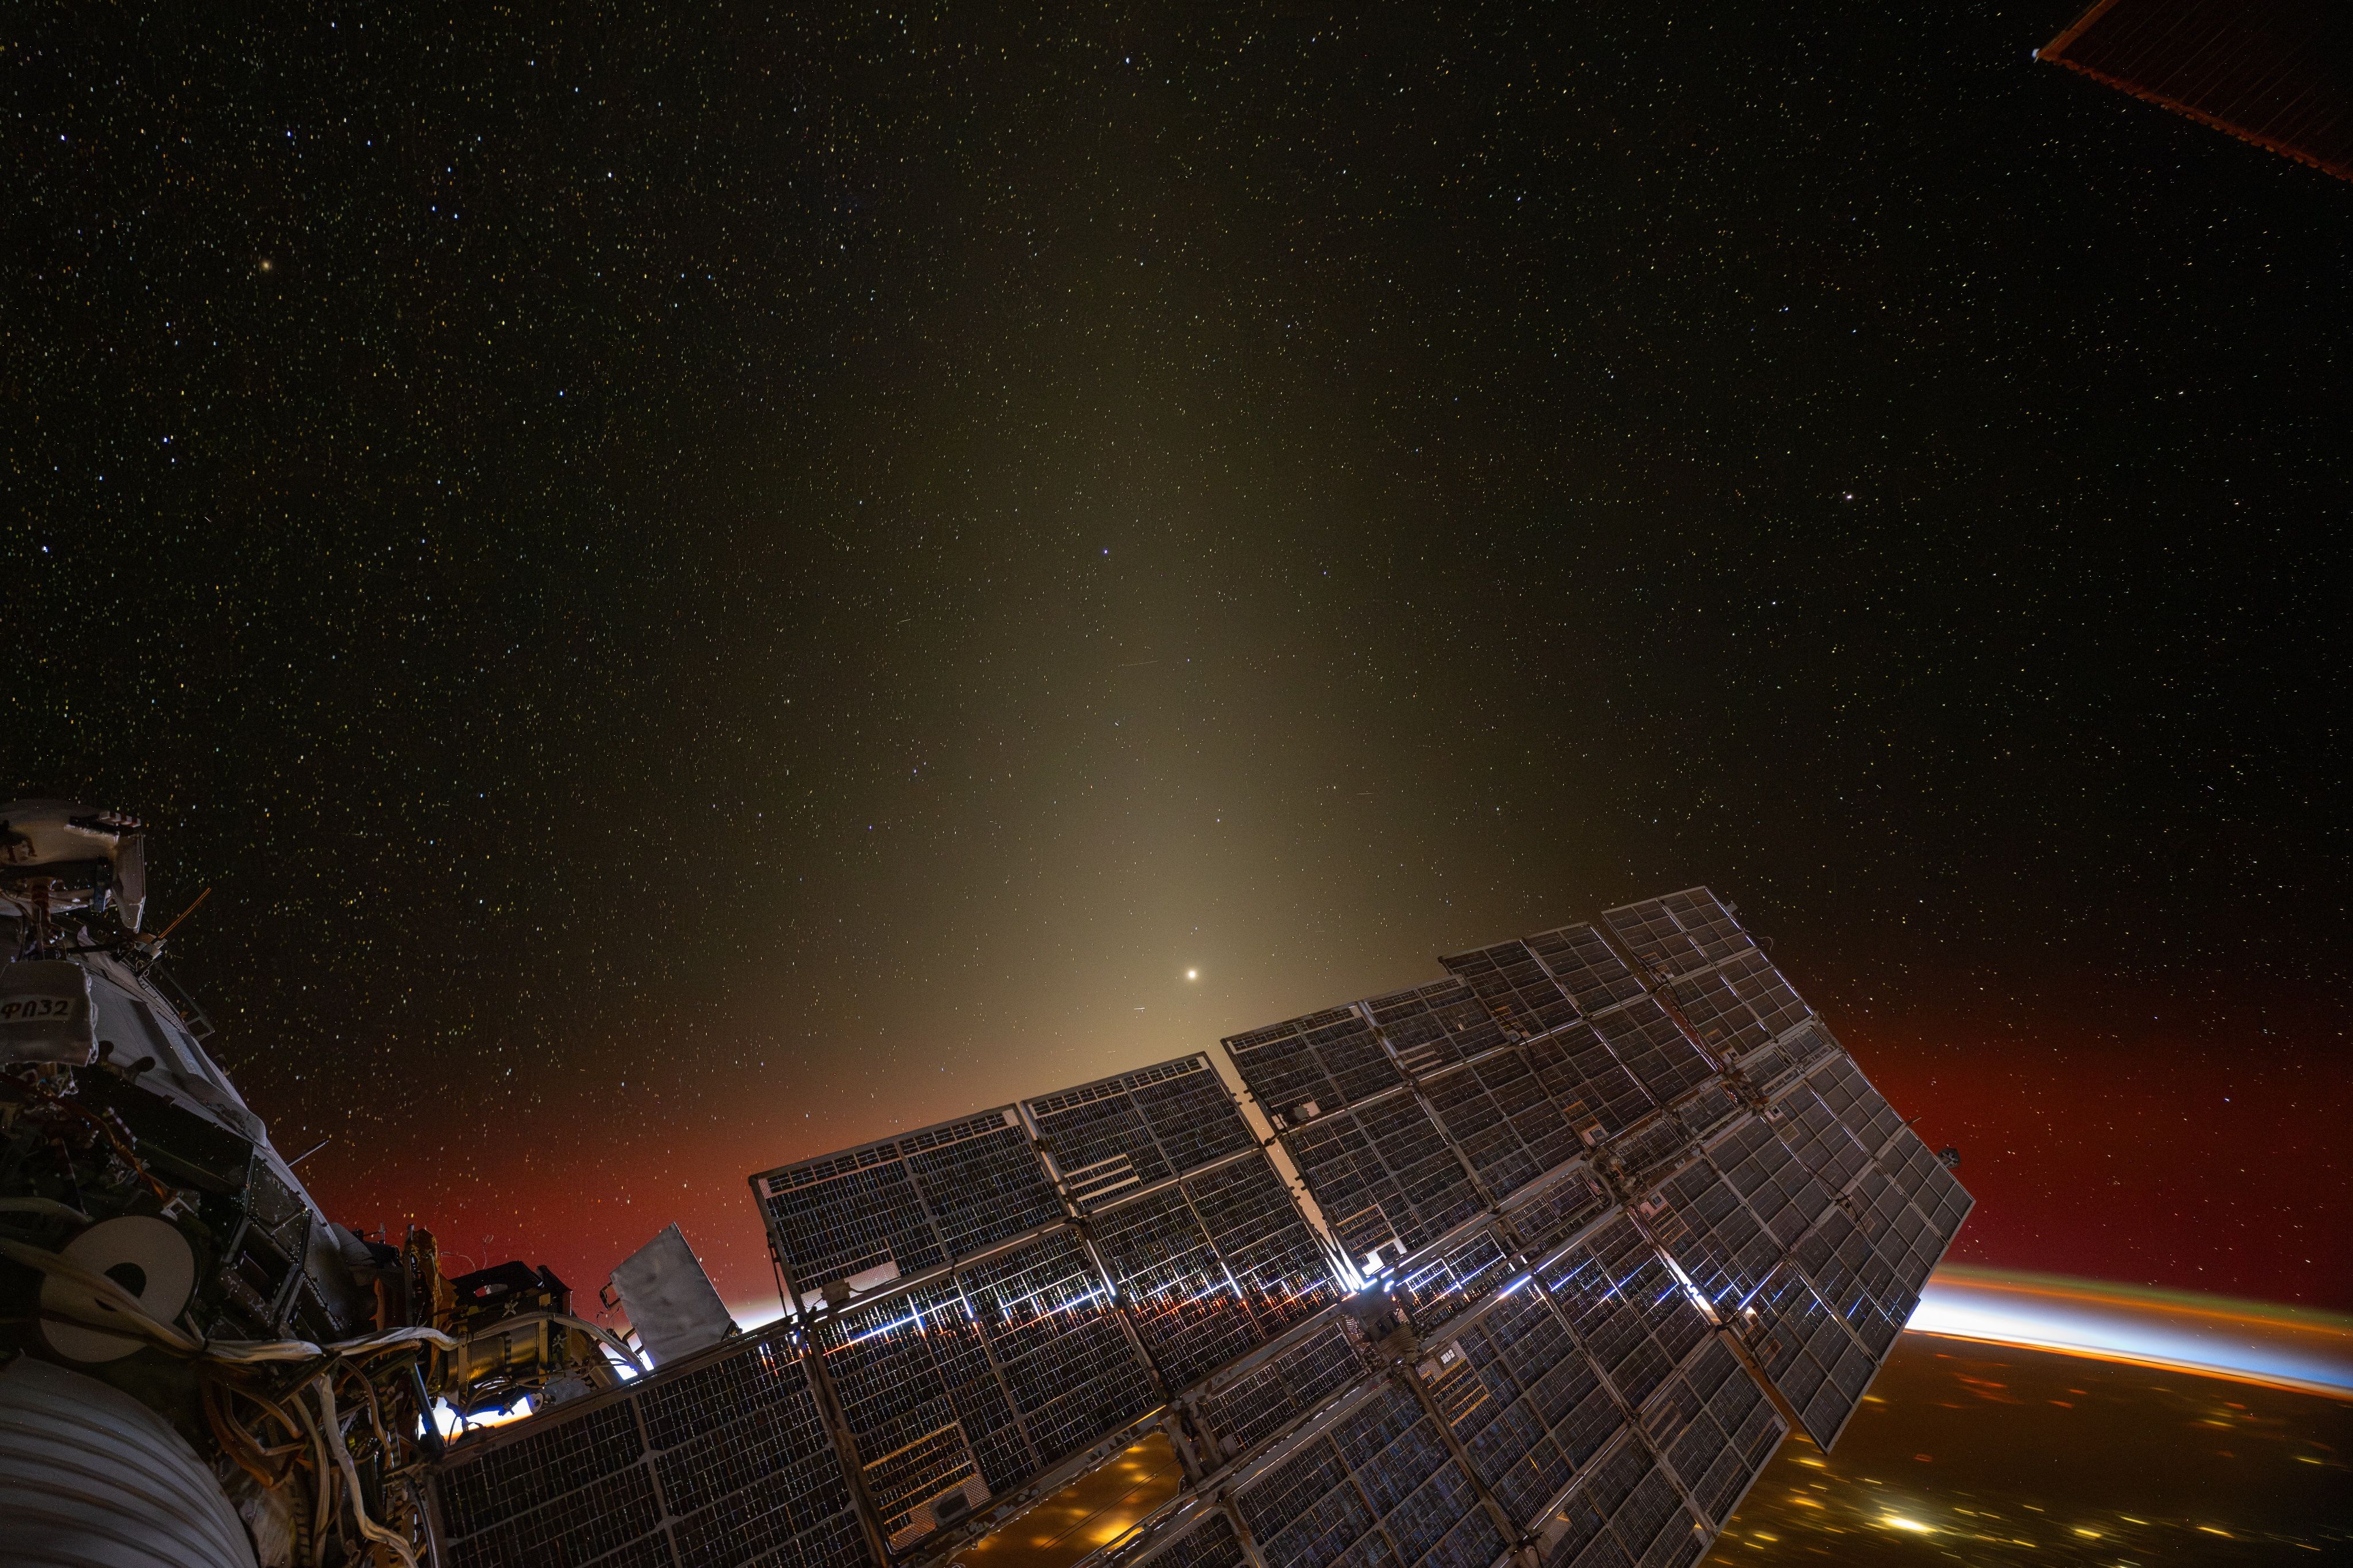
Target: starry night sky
<point>705,586</point>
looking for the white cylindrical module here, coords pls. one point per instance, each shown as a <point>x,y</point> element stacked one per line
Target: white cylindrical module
<point>89,1477</point>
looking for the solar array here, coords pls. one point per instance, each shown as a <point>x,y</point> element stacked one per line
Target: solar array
<point>1548,1255</point>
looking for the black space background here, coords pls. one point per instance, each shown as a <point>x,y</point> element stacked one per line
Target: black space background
<point>704,583</point>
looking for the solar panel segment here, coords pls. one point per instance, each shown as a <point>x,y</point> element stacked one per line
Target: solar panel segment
<point>1104,1138</point>
<point>1626,1307</point>
<point>1370,1481</point>
<point>1214,1266</point>
<point>1384,1175</point>
<point>900,1205</point>
<point>1452,1277</point>
<point>1625,1511</point>
<point>1242,1409</point>
<point>1427,1027</point>
<point>1496,1109</point>
<point>1678,933</point>
<point>1310,1066</point>
<point>1716,1428</point>
<point>1585,966</point>
<point>1550,1212</point>
<point>724,1458</point>
<point>994,1372</point>
<point>1658,1055</point>
<point>1697,1218</point>
<point>1597,1096</point>
<point>1520,994</point>
<point>1524,1403</point>
<point>1196,1534</point>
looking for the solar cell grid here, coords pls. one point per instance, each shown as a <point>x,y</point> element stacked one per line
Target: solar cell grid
<point>746,1470</point>
<point>1805,1349</point>
<point>853,1223</point>
<point>983,1189</point>
<point>1769,1070</point>
<point>1586,967</point>
<point>1725,1024</point>
<point>1755,980</point>
<point>1019,1359</point>
<point>1809,1044</point>
<point>1650,1147</point>
<point>1652,935</point>
<point>1648,1516</point>
<point>1192,1113</point>
<point>1278,1068</point>
<point>1064,1358</point>
<point>747,1463</point>
<point>1857,1105</point>
<point>1820,1144</point>
<point>1623,1510</point>
<point>1678,934</point>
<point>1653,1050</point>
<point>1516,989</point>
<point>922,1401</point>
<point>1597,1096</point>
<point>1429,1026</point>
<point>1498,1114</point>
<point>551,1463</point>
<point>1455,1277</point>
<point>1933,1190</point>
<point>1373,1484</point>
<point>907,1204</point>
<point>1627,1310</point>
<point>1185,1308</point>
<point>1410,1476</point>
<point>1575,1534</point>
<point>1384,1176</point>
<point>1875,1200</point>
<point>1204,1538</point>
<point>1313,1066</point>
<point>1709,1109</point>
<point>1704,919</point>
<point>1715,1427</point>
<point>1351,1053</point>
<point>1524,1402</point>
<point>1700,1221</point>
<point>1213,1266</point>
<point>1549,1213</point>
<point>1278,1263</point>
<point>1361,1199</point>
<point>765,1523</point>
<point>621,1512</point>
<point>1100,1147</point>
<point>1777,1187</point>
<point>1249,1409</point>
<point>1305,1513</point>
<point>1836,1256</point>
<point>1137,1128</point>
